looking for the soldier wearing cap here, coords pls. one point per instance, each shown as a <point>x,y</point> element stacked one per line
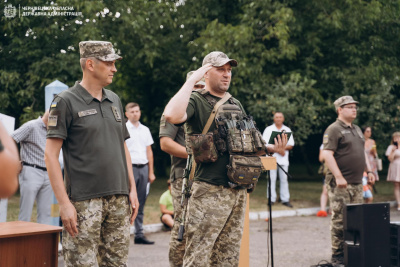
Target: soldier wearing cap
<point>346,159</point>
<point>215,211</point>
<point>172,141</point>
<point>98,201</point>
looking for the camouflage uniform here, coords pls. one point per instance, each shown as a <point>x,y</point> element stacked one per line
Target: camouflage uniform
<point>177,134</point>
<point>338,198</point>
<point>215,225</point>
<point>347,143</point>
<point>215,212</point>
<point>109,216</point>
<point>97,184</point>
<point>176,248</point>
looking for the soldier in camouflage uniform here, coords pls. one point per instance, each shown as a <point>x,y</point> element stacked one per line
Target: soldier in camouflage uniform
<point>172,141</point>
<point>215,214</point>
<point>345,157</point>
<point>99,194</point>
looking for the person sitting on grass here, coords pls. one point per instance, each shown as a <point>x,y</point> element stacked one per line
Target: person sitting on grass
<point>167,209</point>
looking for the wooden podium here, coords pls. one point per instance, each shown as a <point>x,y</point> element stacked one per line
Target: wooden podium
<point>269,163</point>
<point>28,244</point>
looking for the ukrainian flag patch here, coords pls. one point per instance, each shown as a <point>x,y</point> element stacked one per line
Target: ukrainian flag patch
<point>53,105</point>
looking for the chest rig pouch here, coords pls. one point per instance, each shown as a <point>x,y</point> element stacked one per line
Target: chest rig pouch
<point>236,133</point>
<point>202,147</point>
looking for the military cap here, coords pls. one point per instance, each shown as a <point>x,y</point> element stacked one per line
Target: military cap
<point>101,50</point>
<point>201,82</point>
<point>344,100</point>
<point>218,59</point>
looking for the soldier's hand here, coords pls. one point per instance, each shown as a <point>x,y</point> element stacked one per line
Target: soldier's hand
<point>134,204</point>
<point>371,178</point>
<point>341,182</point>
<point>199,73</point>
<point>69,218</point>
<point>152,177</point>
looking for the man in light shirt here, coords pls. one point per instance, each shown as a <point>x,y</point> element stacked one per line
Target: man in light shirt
<point>139,146</point>
<point>282,159</point>
<point>34,179</point>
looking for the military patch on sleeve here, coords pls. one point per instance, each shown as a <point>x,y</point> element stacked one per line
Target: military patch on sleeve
<point>53,105</point>
<point>116,113</point>
<point>52,122</point>
<point>163,122</point>
<point>87,112</point>
<point>326,138</point>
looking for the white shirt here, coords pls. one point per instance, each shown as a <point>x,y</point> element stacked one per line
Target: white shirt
<point>138,142</point>
<point>282,160</point>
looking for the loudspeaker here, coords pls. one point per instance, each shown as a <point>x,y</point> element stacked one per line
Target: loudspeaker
<point>367,235</point>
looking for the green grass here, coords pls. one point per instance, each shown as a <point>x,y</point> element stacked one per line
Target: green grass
<point>305,191</point>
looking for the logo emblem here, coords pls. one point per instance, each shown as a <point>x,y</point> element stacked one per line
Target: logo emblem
<point>10,11</point>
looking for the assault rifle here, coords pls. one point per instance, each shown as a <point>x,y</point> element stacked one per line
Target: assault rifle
<point>186,187</point>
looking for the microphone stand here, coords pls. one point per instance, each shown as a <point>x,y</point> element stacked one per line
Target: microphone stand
<point>270,211</point>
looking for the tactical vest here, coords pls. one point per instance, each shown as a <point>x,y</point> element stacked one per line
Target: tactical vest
<point>235,133</point>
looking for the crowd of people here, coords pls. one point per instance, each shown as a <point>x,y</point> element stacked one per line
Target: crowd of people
<point>108,165</point>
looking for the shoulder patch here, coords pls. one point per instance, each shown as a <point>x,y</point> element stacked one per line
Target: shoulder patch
<point>53,105</point>
<point>325,139</point>
<point>163,122</point>
<point>52,122</point>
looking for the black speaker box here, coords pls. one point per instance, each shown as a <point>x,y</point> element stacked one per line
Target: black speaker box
<point>367,235</point>
<point>394,244</point>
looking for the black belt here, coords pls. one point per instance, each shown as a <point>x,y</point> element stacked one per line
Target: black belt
<point>139,165</point>
<point>34,166</point>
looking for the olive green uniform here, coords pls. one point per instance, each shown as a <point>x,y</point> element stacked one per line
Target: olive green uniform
<point>96,174</point>
<point>215,211</point>
<point>347,143</point>
<point>176,133</point>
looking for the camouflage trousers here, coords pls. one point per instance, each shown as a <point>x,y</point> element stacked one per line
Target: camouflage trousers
<point>176,248</point>
<point>214,225</point>
<point>338,198</point>
<point>103,233</point>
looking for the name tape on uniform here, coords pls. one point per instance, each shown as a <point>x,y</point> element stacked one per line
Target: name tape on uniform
<point>87,113</point>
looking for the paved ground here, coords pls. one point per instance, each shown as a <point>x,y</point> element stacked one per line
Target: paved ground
<point>298,242</point>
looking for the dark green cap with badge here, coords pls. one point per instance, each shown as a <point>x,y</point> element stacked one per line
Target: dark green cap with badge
<point>344,100</point>
<point>101,50</point>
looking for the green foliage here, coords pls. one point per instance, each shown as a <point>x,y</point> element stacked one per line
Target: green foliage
<point>294,56</point>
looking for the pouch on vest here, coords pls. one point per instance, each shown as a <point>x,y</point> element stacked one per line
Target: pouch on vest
<point>244,170</point>
<point>239,131</point>
<point>203,147</point>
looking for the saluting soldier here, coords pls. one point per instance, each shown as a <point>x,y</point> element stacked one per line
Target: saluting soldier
<point>172,141</point>
<point>99,200</point>
<point>215,210</point>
